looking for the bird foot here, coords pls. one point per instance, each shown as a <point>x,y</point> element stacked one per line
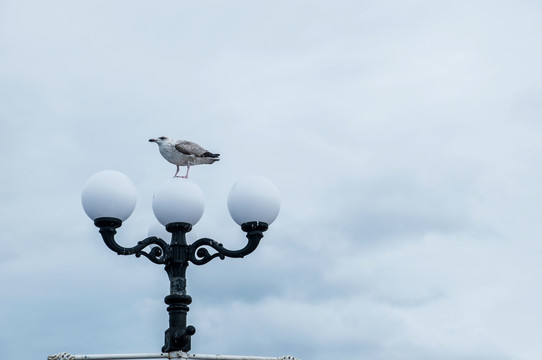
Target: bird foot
<point>182,177</point>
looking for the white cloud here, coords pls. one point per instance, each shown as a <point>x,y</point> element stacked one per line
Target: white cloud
<point>404,138</point>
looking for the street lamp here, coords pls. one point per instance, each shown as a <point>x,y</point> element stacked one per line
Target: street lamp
<point>109,198</point>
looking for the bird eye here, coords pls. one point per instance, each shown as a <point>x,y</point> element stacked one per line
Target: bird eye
<point>162,138</point>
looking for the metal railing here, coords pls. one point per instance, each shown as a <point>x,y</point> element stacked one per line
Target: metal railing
<point>170,355</point>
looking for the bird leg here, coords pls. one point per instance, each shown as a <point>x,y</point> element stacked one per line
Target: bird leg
<point>186,175</point>
<point>187,170</point>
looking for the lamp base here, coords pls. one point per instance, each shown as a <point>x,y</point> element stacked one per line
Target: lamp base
<point>178,336</point>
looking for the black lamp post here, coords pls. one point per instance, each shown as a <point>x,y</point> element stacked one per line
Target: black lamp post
<point>109,198</point>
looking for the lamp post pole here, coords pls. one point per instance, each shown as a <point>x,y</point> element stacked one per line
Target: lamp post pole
<point>176,255</point>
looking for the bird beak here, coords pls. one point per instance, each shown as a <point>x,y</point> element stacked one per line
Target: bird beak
<point>153,140</point>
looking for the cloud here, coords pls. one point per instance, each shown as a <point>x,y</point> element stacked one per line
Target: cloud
<point>403,138</point>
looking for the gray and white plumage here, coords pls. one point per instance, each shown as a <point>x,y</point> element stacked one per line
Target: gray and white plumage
<point>184,153</point>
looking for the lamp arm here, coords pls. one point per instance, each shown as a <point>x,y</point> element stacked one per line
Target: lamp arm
<point>199,255</point>
<point>159,254</point>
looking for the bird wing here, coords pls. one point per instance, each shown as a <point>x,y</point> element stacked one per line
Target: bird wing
<point>189,148</point>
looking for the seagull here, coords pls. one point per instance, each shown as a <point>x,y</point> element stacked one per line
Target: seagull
<point>184,153</point>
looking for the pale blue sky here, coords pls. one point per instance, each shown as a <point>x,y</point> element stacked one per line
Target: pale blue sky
<point>404,137</point>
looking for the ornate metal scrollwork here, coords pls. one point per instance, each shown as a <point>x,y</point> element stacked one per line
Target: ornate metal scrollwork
<point>158,254</point>
<point>199,255</point>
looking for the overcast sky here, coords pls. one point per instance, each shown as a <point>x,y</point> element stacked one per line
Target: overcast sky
<point>404,136</point>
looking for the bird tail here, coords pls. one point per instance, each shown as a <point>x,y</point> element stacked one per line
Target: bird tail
<point>211,155</point>
<point>205,160</point>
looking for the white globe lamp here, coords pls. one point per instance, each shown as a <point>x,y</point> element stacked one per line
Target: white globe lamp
<point>178,201</point>
<point>109,194</point>
<point>254,199</point>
